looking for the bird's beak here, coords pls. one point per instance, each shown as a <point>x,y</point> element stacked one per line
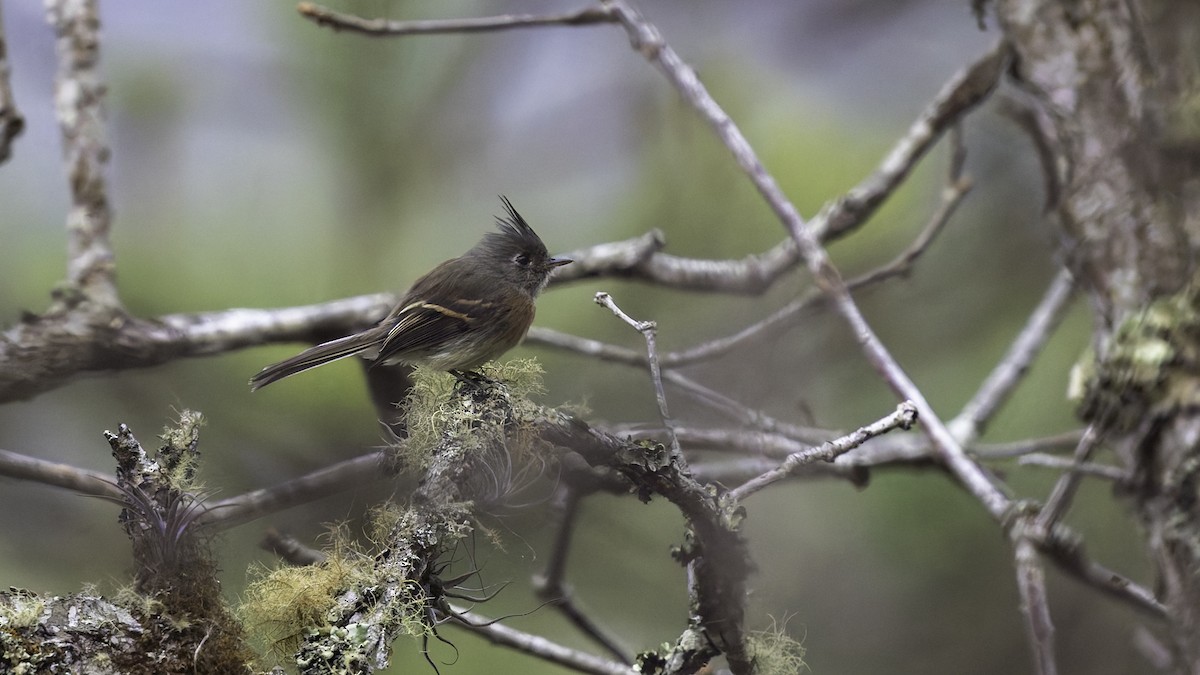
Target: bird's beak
<point>558,262</point>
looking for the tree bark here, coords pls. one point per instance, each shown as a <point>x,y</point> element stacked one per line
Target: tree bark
<point>1112,85</point>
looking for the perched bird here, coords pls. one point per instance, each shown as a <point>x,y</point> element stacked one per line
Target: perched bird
<point>466,311</point>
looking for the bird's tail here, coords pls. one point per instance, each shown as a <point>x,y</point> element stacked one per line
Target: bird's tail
<point>317,356</point>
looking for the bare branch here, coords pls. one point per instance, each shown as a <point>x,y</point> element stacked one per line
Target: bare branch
<point>956,189</point>
<point>904,417</point>
<point>1064,489</point>
<point>953,194</point>
<point>965,90</point>
<point>642,258</point>
<point>323,482</point>
<point>535,645</point>
<point>291,550</point>
<point>11,121</point>
<point>552,587</point>
<point>45,352</point>
<point>24,467</point>
<point>78,95</point>
<point>207,333</point>
<point>715,552</point>
<point>726,472</point>
<point>1113,473</point>
<point>1035,606</point>
<point>548,337</point>
<point>647,40</point>
<point>323,16</point>
<point>648,329</point>
<point>1000,383</point>
<point>1058,442</point>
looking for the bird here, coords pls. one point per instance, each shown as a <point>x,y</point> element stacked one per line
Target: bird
<point>466,311</point>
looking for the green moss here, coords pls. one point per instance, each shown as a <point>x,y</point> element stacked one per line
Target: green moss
<point>282,607</point>
<point>1147,367</point>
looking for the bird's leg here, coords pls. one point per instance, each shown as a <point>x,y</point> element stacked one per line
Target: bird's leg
<point>473,379</point>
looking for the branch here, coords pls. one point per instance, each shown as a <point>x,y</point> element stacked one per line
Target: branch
<point>551,586</point>
<point>716,554</point>
<point>1035,606</point>
<point>641,258</point>
<point>648,329</point>
<point>535,645</point>
<point>323,482</point>
<point>78,94</point>
<point>11,121</point>
<point>24,467</point>
<point>1000,383</point>
<point>1111,473</point>
<point>966,89</point>
<point>43,353</point>
<point>323,16</point>
<point>647,40</point>
<point>904,417</point>
<point>1056,443</point>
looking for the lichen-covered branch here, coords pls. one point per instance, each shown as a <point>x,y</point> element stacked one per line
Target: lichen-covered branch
<point>719,558</point>
<point>1107,93</point>
<point>78,98</point>
<point>174,620</point>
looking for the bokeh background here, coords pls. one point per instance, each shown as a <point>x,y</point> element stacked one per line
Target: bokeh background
<point>260,161</point>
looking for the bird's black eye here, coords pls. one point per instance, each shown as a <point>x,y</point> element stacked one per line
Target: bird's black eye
<point>521,259</point>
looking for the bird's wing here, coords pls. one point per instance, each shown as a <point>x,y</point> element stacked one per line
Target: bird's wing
<point>423,326</point>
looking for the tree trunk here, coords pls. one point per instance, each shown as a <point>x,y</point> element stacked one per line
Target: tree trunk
<point>1114,88</point>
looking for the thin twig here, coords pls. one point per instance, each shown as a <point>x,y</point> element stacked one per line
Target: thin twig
<point>747,442</point>
<point>961,93</point>
<point>955,191</point>
<point>648,41</point>
<point>1157,654</point>
<point>344,475</point>
<point>752,417</point>
<point>11,121</point>
<point>1112,583</point>
<point>648,329</point>
<point>1064,489</point>
<point>548,337</point>
<point>952,195</point>
<point>1000,383</point>
<point>1058,442</point>
<point>1113,473</point>
<point>1035,606</point>
<point>737,471</point>
<point>904,417</point>
<point>323,16</point>
<point>534,645</point>
<point>78,95</point>
<point>698,392</point>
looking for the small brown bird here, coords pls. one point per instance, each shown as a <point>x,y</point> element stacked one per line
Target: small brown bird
<point>463,313</point>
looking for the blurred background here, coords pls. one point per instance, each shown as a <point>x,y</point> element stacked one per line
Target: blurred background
<point>261,161</point>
